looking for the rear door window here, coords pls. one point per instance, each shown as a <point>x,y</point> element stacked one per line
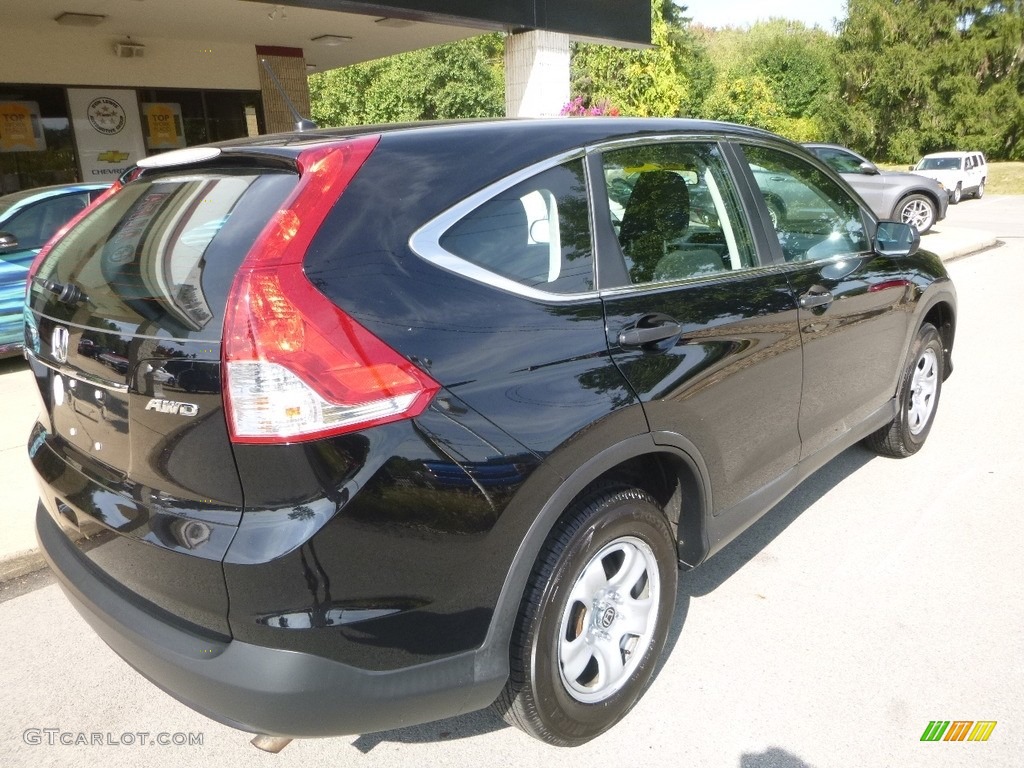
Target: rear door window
<point>158,258</point>
<point>674,212</point>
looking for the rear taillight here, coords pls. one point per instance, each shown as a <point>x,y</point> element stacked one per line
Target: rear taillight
<point>38,260</point>
<point>296,367</point>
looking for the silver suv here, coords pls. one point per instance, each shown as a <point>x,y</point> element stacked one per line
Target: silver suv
<point>962,173</point>
<point>904,197</point>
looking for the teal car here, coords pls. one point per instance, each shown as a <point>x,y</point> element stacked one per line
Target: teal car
<point>27,220</point>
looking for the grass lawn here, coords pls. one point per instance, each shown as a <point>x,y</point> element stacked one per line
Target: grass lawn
<point>1005,179</point>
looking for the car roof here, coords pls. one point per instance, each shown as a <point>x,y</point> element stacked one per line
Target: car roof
<point>574,130</point>
<point>954,154</point>
<point>499,145</point>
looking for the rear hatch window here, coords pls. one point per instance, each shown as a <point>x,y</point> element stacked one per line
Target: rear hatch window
<point>158,258</point>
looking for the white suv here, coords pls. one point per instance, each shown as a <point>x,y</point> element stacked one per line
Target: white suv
<point>961,173</point>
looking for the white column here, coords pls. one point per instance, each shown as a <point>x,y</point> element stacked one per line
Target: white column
<point>536,73</point>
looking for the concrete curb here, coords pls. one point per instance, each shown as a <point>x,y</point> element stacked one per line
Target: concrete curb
<point>951,243</point>
<point>20,564</point>
<point>970,251</point>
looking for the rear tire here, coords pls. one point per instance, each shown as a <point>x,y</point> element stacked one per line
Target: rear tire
<point>918,398</point>
<point>594,618</point>
<point>981,190</point>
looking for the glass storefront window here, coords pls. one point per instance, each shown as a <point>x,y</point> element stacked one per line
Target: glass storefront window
<point>38,147</point>
<point>207,115</point>
<point>23,166</point>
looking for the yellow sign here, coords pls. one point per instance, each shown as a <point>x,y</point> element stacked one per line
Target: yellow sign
<point>163,126</point>
<point>112,156</point>
<point>20,127</point>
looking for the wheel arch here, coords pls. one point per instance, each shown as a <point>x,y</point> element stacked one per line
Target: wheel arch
<point>665,465</point>
<point>914,191</point>
<point>941,314</point>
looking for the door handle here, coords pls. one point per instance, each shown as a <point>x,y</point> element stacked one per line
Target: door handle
<point>637,337</point>
<point>815,298</point>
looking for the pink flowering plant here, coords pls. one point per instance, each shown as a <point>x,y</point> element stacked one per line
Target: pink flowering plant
<point>577,108</point>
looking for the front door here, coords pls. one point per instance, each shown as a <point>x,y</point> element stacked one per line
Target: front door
<point>852,340</point>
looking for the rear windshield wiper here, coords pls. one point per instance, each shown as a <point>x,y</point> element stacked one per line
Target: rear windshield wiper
<point>66,293</point>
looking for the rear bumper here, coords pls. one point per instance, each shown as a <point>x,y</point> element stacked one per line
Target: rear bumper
<point>255,688</point>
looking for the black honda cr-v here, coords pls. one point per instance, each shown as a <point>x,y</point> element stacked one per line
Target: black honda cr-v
<point>370,427</point>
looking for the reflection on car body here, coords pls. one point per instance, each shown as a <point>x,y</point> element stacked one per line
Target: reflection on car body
<point>27,220</point>
<point>449,405</point>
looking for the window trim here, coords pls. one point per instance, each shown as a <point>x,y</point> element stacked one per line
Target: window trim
<point>425,242</point>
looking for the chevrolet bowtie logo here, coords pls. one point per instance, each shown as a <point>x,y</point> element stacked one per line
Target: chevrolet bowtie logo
<point>112,156</point>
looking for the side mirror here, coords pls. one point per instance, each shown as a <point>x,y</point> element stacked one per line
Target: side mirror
<point>868,169</point>
<point>8,242</point>
<point>894,238</point>
<point>911,167</point>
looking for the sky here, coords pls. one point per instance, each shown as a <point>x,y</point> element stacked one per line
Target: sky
<point>720,13</point>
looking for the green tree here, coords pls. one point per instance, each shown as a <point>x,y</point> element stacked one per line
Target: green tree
<point>777,75</point>
<point>662,81</point>
<point>929,75</point>
<point>748,100</point>
<point>797,61</point>
<point>460,79</point>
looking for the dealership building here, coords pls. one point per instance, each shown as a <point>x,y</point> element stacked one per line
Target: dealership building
<point>88,87</point>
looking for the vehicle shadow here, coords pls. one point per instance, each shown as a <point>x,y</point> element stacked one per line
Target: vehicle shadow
<point>773,757</point>
<point>13,364</point>
<point>461,727</point>
<point>712,574</point>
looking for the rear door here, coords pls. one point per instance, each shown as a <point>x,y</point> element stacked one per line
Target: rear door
<point>704,331</point>
<point>124,334</point>
<point>974,170</point>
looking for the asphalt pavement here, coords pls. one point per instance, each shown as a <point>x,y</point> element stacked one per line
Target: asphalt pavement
<point>880,596</point>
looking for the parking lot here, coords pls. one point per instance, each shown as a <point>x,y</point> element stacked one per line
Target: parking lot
<point>880,596</point>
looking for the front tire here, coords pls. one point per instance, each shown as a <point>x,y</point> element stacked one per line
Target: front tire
<point>957,194</point>
<point>917,210</point>
<point>594,619</point>
<point>918,398</point>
